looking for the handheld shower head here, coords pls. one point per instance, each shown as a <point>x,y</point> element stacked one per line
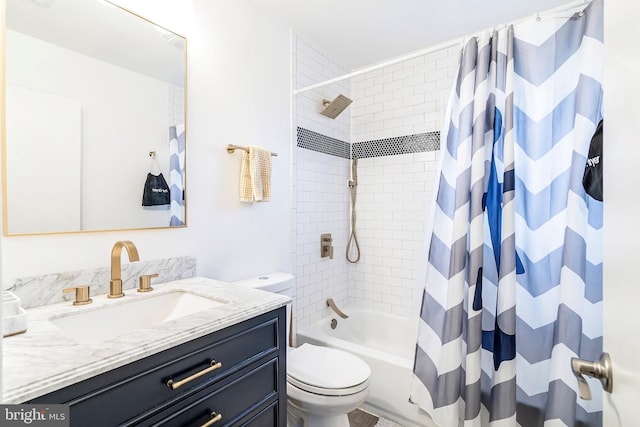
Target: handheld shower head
<point>353,182</point>
<point>333,108</point>
<point>353,190</point>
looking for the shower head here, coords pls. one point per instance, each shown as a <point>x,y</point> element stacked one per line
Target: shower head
<point>333,108</point>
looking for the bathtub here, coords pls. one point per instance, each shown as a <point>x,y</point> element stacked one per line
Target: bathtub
<point>387,343</point>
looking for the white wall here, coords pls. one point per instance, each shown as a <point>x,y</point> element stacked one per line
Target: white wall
<point>39,153</point>
<point>621,205</point>
<point>238,92</point>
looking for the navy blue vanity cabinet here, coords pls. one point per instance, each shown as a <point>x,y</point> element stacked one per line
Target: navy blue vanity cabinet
<point>232,377</point>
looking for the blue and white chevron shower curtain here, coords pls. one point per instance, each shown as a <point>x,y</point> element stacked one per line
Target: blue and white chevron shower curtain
<point>514,279</point>
<point>176,174</point>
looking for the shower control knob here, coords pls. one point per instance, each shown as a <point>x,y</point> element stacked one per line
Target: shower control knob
<point>326,246</point>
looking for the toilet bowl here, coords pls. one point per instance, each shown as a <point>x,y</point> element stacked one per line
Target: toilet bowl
<point>323,384</point>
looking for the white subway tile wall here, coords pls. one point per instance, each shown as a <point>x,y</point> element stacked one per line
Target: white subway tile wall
<point>395,192</point>
<point>322,207</point>
<point>312,66</point>
<point>393,208</point>
<point>404,98</point>
<point>176,103</point>
<point>321,203</point>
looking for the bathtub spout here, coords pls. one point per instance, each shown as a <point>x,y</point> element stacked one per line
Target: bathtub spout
<point>335,308</point>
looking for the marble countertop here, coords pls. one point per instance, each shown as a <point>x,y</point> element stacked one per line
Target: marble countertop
<point>45,359</point>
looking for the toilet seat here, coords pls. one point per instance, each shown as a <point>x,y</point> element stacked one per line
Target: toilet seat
<point>327,391</point>
<point>326,371</point>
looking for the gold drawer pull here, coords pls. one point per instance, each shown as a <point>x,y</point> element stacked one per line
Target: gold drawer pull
<point>214,419</point>
<point>177,384</point>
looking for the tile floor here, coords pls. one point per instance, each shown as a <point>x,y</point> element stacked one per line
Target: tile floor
<point>361,418</point>
<point>383,422</point>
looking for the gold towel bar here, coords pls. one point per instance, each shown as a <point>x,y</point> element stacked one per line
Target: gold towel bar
<point>232,147</point>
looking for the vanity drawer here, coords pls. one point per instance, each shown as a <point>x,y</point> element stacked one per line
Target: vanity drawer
<point>232,401</point>
<point>267,417</point>
<point>141,387</point>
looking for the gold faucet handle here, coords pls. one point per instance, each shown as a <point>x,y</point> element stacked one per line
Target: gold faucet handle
<point>82,294</point>
<point>145,282</point>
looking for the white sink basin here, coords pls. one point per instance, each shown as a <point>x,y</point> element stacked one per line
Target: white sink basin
<point>118,318</point>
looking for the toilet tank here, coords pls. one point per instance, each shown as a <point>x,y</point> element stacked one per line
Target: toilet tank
<point>277,282</point>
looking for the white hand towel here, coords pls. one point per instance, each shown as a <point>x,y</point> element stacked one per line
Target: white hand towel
<point>255,175</point>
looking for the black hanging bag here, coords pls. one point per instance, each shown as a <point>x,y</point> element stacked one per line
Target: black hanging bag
<point>156,191</point>
<point>592,178</point>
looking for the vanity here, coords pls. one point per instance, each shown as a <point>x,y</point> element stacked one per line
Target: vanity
<point>221,363</point>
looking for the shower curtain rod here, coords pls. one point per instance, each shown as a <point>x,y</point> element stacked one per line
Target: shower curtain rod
<point>457,41</point>
<point>411,55</point>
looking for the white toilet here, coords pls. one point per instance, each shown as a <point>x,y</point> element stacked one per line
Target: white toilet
<point>323,384</point>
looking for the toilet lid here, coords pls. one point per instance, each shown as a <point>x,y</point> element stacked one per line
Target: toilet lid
<point>326,368</point>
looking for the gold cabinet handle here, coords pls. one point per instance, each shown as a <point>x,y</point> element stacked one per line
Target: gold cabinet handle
<point>173,385</point>
<point>214,419</point>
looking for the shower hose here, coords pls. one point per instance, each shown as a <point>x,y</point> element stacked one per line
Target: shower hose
<point>353,239</point>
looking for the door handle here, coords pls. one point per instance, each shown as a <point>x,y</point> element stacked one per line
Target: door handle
<point>600,369</point>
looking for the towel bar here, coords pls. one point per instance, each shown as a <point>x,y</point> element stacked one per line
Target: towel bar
<point>232,148</point>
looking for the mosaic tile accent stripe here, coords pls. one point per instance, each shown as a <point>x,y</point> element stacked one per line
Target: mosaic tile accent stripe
<point>324,144</point>
<point>416,143</point>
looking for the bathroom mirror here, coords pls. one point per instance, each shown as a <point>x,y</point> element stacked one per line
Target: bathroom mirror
<point>95,101</point>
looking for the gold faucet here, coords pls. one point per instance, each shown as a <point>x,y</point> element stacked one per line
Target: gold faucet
<point>115,286</point>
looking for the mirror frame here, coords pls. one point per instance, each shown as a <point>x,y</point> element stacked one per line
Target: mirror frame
<point>3,134</point>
